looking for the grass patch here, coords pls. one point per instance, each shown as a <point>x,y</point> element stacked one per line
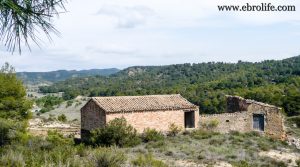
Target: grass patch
<point>144,160</point>
<point>202,134</point>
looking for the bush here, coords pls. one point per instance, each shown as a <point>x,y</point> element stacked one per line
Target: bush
<point>117,132</point>
<point>212,124</point>
<point>5,128</point>
<point>47,109</point>
<point>62,118</point>
<point>147,160</point>
<point>174,129</point>
<point>264,146</point>
<point>57,138</point>
<point>202,134</point>
<point>298,162</point>
<point>69,103</point>
<point>12,131</point>
<point>12,158</point>
<point>49,101</point>
<point>241,164</point>
<point>152,135</point>
<point>107,157</point>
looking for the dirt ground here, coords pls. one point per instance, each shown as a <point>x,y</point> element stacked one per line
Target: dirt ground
<point>289,158</point>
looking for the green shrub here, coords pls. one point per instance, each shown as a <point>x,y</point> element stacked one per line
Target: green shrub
<point>202,134</point>
<point>201,157</point>
<point>44,110</point>
<point>298,162</point>
<point>147,160</point>
<point>152,135</point>
<point>263,146</point>
<point>78,104</point>
<point>49,101</point>
<point>117,132</point>
<point>212,124</point>
<point>62,118</point>
<point>108,157</point>
<point>174,129</point>
<point>57,138</point>
<point>69,103</point>
<point>12,158</point>
<point>241,164</point>
<point>51,117</point>
<point>5,128</point>
<point>12,131</point>
<point>235,133</point>
<point>158,144</point>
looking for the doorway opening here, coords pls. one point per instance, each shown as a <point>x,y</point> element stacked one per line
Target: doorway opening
<point>258,122</point>
<point>189,119</point>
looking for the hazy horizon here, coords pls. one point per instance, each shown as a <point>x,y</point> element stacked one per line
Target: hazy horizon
<point>151,65</point>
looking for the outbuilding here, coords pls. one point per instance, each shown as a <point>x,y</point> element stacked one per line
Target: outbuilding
<point>245,115</point>
<point>150,111</point>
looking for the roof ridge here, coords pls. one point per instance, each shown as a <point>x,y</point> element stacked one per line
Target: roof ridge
<point>137,96</point>
<point>143,103</point>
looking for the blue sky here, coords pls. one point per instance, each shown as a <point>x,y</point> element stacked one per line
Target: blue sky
<point>122,33</point>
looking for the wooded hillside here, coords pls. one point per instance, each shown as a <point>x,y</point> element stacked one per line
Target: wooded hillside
<point>204,84</point>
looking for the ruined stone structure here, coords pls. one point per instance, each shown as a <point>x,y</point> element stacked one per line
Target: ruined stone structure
<point>152,111</point>
<point>247,115</point>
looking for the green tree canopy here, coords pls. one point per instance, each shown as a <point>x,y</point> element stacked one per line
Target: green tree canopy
<point>13,102</point>
<point>21,20</point>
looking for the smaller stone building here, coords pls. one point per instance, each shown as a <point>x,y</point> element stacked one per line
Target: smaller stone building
<point>151,111</point>
<point>246,115</point>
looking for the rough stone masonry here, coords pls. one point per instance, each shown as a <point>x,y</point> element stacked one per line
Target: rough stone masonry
<point>151,111</point>
<point>246,115</point>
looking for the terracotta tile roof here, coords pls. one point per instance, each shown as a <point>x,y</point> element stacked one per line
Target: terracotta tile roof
<point>143,103</point>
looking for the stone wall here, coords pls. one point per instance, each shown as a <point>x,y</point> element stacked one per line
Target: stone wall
<point>243,120</point>
<point>236,103</point>
<point>226,122</point>
<point>159,120</point>
<point>91,117</point>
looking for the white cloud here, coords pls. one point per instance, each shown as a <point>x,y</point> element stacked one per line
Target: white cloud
<point>126,16</point>
<point>120,33</point>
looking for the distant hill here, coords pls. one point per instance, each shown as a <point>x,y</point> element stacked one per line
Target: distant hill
<point>60,75</point>
<point>205,84</point>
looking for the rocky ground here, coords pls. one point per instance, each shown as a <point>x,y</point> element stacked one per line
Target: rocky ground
<point>39,126</point>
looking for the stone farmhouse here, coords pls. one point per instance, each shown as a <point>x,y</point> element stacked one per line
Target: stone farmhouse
<point>151,111</point>
<point>159,111</point>
<point>246,115</point>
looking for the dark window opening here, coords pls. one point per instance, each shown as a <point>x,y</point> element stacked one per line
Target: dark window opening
<point>227,120</point>
<point>258,122</point>
<point>189,119</point>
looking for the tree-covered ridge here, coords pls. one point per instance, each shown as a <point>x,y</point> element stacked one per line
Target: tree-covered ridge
<point>60,75</point>
<point>205,84</point>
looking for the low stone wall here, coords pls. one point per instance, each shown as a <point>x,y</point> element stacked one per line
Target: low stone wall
<point>226,122</point>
